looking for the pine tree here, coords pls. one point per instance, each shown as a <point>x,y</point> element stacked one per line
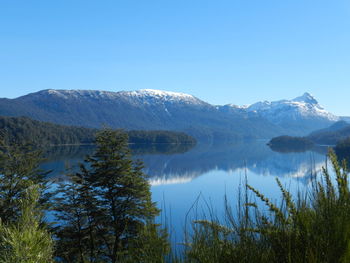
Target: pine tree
<point>109,205</point>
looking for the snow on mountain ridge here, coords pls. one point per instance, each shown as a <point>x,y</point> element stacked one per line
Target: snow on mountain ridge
<point>144,95</point>
<point>307,98</point>
<point>161,95</point>
<point>238,106</point>
<point>305,106</point>
<point>81,93</point>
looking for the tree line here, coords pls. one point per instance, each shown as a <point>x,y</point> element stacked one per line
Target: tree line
<point>23,130</point>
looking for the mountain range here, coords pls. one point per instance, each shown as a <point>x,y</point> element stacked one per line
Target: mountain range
<point>165,110</point>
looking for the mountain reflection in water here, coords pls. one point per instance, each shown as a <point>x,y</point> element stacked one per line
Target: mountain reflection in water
<point>180,175</point>
<point>169,164</point>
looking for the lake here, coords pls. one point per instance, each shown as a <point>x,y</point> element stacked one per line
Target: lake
<point>188,182</point>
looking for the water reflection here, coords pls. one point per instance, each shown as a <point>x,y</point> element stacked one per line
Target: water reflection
<point>179,175</point>
<point>254,156</point>
<point>58,158</point>
<point>169,164</point>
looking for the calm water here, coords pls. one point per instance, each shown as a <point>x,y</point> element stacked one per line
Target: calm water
<point>187,182</point>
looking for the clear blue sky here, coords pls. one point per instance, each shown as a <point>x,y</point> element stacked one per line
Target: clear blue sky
<point>234,51</point>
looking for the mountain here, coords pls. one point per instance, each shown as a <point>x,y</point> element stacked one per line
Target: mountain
<point>300,115</point>
<point>345,118</point>
<point>138,110</point>
<point>331,135</point>
<point>333,128</point>
<point>164,110</point>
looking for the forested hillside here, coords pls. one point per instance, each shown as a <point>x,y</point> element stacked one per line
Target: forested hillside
<point>23,129</point>
<point>26,130</point>
<point>332,135</point>
<point>290,144</point>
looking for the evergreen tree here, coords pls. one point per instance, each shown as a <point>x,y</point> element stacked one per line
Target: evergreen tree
<point>19,169</point>
<point>108,206</point>
<point>79,235</point>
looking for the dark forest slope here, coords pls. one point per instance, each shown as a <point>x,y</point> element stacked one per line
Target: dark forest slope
<point>23,129</point>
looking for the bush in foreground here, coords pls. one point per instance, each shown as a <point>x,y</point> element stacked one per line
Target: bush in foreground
<point>313,227</point>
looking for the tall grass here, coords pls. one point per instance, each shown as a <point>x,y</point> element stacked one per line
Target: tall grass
<point>313,226</point>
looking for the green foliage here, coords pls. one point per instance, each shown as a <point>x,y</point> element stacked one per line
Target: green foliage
<point>290,144</point>
<point>342,149</point>
<point>313,227</point>
<point>21,130</point>
<point>150,246</point>
<point>107,208</point>
<point>77,236</point>
<point>18,170</point>
<point>23,237</point>
<point>26,241</point>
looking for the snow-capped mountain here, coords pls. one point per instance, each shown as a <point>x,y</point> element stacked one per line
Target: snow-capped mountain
<point>297,115</point>
<point>164,110</point>
<point>303,107</point>
<point>159,96</point>
<point>144,96</point>
<point>137,110</point>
